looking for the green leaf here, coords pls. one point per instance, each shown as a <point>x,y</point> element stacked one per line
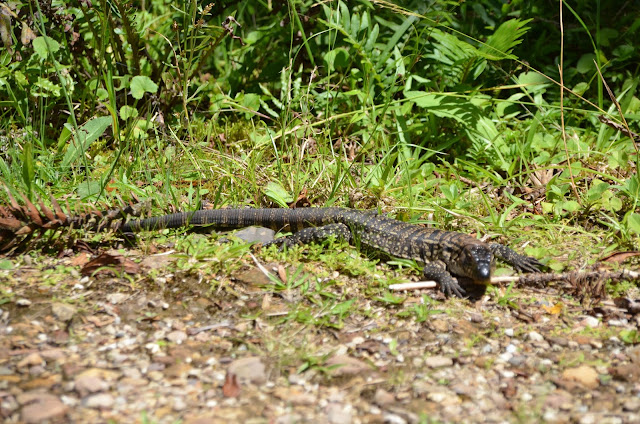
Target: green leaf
<point>40,46</point>
<point>89,132</point>
<point>142,84</point>
<point>596,191</point>
<point>507,36</point>
<point>445,106</point>
<point>570,205</point>
<point>127,112</point>
<point>6,264</point>
<point>634,222</point>
<point>630,336</point>
<point>390,298</point>
<point>580,88</point>
<point>88,188</point>
<point>342,308</point>
<point>336,59</point>
<point>373,36</point>
<point>533,81</point>
<point>585,63</point>
<point>28,169</point>
<point>45,88</point>
<point>278,194</point>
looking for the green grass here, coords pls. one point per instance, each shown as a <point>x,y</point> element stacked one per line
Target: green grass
<point>444,114</point>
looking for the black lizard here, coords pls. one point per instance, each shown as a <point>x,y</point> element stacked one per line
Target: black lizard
<point>446,254</point>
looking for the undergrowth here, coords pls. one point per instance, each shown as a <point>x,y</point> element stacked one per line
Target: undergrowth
<point>447,113</point>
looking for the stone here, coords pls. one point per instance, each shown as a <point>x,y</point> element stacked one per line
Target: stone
<point>87,384</point>
<point>535,336</point>
<point>99,401</point>
<point>584,375</point>
<point>177,337</point>
<point>438,362</point>
<point>249,369</point>
<point>383,398</point>
<point>30,360</point>
<point>63,311</point>
<point>38,407</point>
<point>337,413</point>
<point>117,298</point>
<point>344,365</point>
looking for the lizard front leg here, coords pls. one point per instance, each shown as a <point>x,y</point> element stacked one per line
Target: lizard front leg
<point>517,261</point>
<point>437,271</point>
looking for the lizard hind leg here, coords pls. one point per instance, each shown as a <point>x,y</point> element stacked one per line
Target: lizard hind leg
<point>314,234</point>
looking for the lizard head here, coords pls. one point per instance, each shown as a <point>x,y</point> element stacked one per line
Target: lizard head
<point>474,261</point>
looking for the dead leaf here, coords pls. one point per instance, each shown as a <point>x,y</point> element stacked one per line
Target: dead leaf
<point>553,310</point>
<point>231,388</point>
<point>27,35</point>
<point>282,273</point>
<point>302,201</point>
<point>619,257</point>
<point>81,259</point>
<point>100,322</point>
<point>107,263</point>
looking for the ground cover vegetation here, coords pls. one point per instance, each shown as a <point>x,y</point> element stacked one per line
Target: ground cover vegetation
<point>510,121</point>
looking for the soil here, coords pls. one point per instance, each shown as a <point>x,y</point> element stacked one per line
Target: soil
<point>153,338</point>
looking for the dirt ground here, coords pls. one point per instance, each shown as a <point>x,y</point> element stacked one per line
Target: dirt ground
<point>158,341</point>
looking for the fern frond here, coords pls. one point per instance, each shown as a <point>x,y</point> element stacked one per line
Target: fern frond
<point>508,35</point>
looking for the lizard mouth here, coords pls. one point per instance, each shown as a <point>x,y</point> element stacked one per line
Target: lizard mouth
<point>483,275</point>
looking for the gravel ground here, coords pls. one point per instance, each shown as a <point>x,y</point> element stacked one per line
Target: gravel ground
<point>160,347</point>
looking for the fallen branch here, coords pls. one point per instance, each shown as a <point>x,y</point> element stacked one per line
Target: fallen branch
<point>583,283</point>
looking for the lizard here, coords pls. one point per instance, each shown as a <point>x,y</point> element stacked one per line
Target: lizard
<point>446,255</point>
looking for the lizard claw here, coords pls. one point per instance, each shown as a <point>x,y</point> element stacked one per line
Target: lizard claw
<point>282,243</point>
<point>528,264</point>
<point>452,288</point>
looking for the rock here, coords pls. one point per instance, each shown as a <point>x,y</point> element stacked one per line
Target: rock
<point>517,360</point>
<point>383,398</point>
<point>53,354</point>
<point>344,365</point>
<point>583,374</point>
<point>30,360</point>
<point>440,326</point>
<point>535,336</point>
<point>23,302</point>
<point>38,407</point>
<point>250,369</point>
<point>116,298</point>
<point>42,382</point>
<point>338,413</point>
<point>634,354</point>
<point>177,337</point>
<point>252,277</point>
<point>560,399</point>
<point>592,322</point>
<point>179,404</point>
<point>438,361</point>
<point>627,372</point>
<point>179,370</point>
<point>87,384</point>
<point>631,405</point>
<point>255,234</point>
<point>63,311</point>
<point>99,401</point>
<point>394,419</point>
<point>294,396</point>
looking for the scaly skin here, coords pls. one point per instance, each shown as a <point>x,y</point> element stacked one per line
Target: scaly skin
<point>446,254</point>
